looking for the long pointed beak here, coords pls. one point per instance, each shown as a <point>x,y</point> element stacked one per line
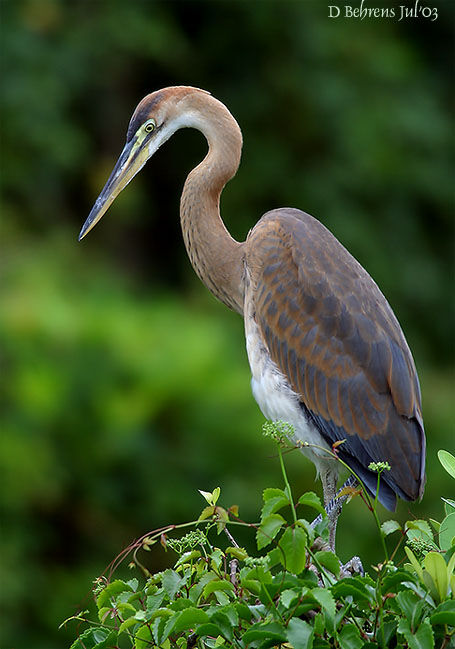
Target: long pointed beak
<point>131,160</point>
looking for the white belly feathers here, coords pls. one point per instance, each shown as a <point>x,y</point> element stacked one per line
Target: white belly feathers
<point>274,395</point>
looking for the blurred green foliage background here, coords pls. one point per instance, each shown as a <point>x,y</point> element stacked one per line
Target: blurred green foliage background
<point>125,386</point>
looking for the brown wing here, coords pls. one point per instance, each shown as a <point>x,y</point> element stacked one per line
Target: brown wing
<point>332,333</point>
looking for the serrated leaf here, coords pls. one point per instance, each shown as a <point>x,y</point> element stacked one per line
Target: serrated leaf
<point>172,582</point>
<point>329,560</point>
<point>288,596</point>
<point>448,462</point>
<point>274,500</point>
<point>325,598</point>
<point>349,637</point>
<point>153,602</point>
<point>216,558</point>
<point>310,499</point>
<point>293,545</point>
<point>207,512</point>
<point>419,529</point>
<point>133,583</point>
<point>268,529</point>
<point>111,591</point>
<point>300,634</point>
<point>388,527</point>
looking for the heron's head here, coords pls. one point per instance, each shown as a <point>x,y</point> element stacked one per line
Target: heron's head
<point>155,119</point>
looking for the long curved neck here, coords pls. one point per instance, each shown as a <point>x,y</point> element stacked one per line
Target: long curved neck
<point>216,257</point>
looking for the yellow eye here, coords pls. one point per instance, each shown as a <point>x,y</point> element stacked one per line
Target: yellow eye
<point>149,126</point>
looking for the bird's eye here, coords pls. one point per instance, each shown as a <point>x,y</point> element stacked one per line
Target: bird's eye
<point>149,126</point>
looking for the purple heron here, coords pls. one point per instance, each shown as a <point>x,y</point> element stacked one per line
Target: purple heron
<point>326,352</point>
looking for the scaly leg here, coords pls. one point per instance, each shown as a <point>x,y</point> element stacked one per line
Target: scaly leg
<point>329,488</point>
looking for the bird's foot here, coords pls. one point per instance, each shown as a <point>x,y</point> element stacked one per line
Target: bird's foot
<point>352,567</point>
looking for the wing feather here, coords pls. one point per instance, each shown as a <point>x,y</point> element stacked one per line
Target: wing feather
<point>332,333</point>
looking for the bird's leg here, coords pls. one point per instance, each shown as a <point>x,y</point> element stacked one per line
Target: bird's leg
<point>329,485</point>
<point>338,500</point>
<point>354,565</point>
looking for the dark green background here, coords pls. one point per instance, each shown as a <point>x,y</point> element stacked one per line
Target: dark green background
<point>125,384</point>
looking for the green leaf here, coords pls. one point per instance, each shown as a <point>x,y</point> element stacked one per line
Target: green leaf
<point>388,527</point>
<point>448,462</point>
<point>310,499</point>
<point>329,560</point>
<point>208,629</point>
<point>189,618</point>
<point>95,638</point>
<point>238,553</point>
<point>172,582</point>
<point>293,544</point>
<point>224,624</point>
<point>207,495</point>
<point>444,614</point>
<point>349,637</point>
<point>112,590</point>
<point>353,586</point>
<point>422,639</point>
<point>288,596</point>
<point>180,603</point>
<point>261,631</point>
<point>188,557</point>
<point>393,581</point>
<point>447,532</point>
<point>300,634</point>
<point>216,558</point>
<point>274,500</point>
<point>449,505</point>
<point>325,598</point>
<point>126,624</point>
<point>419,529</point>
<point>207,512</point>
<point>268,529</point>
<point>217,585</point>
<point>133,583</point>
<point>143,638</point>
<point>436,525</point>
<point>153,602</point>
<point>437,569</point>
<point>412,607</point>
<point>415,564</point>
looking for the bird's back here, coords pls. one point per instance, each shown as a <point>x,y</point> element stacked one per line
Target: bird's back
<point>331,332</point>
